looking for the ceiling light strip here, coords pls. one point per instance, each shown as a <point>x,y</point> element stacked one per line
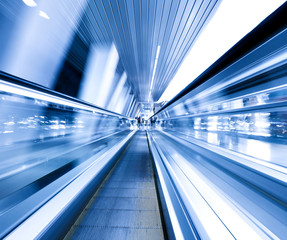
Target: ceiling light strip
<point>154,68</point>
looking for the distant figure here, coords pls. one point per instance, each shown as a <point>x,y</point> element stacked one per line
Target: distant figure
<point>139,121</point>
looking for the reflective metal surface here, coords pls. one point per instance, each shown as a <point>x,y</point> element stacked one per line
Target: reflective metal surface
<point>240,199</point>
<point>126,205</point>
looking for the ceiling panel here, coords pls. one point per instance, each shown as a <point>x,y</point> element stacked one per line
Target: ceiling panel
<point>140,29</point>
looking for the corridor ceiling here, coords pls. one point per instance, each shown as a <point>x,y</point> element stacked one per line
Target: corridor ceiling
<point>152,36</point>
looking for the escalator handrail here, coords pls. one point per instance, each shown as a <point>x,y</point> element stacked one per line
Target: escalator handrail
<point>8,78</point>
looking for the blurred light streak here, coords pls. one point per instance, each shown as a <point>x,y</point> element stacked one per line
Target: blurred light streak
<point>22,91</point>
<point>44,15</point>
<point>30,3</point>
<point>220,206</point>
<point>258,149</point>
<point>154,69</point>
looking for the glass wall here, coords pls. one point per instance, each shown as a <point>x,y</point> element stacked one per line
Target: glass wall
<point>241,108</point>
<point>46,140</point>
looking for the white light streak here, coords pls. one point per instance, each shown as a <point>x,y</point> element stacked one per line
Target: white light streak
<point>44,15</point>
<point>30,3</point>
<point>22,91</point>
<point>154,69</point>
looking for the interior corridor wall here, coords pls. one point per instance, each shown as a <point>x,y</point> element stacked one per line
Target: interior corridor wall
<point>37,43</point>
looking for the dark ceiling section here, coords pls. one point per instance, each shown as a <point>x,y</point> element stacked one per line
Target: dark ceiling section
<point>140,29</point>
<point>69,79</point>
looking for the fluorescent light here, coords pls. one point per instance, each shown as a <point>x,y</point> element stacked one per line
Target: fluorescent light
<point>157,52</point>
<point>154,68</point>
<point>44,15</point>
<point>30,3</point>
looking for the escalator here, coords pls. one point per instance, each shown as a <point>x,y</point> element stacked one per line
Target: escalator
<point>126,204</point>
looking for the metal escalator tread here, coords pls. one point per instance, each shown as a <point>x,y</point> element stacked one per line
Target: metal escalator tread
<point>126,206</point>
